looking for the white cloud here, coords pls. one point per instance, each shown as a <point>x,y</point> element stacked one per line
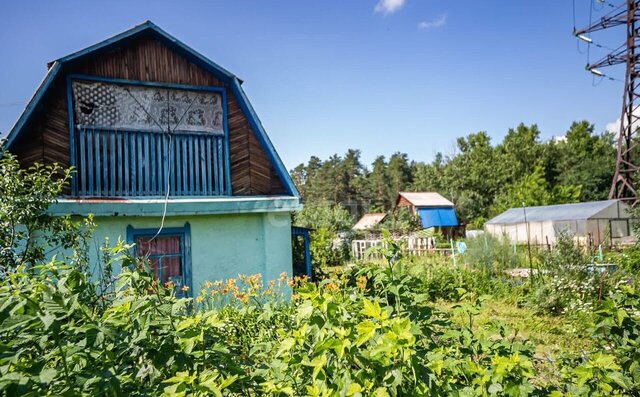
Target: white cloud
<point>389,6</point>
<point>614,126</point>
<point>435,23</point>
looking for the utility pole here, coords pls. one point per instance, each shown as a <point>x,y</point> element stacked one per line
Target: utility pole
<point>624,184</point>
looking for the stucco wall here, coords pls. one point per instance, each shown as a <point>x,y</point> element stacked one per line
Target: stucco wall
<point>222,246</point>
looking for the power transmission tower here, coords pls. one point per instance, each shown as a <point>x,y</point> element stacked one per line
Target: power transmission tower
<point>624,185</point>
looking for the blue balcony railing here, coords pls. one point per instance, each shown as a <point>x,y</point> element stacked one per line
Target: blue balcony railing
<point>135,164</point>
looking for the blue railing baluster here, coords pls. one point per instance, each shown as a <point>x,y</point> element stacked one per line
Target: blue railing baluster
<point>82,167</point>
<point>135,163</point>
<point>112,164</point>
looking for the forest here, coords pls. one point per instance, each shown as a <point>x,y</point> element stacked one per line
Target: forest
<point>481,177</point>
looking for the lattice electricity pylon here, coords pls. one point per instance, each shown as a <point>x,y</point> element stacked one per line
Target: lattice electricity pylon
<point>624,184</point>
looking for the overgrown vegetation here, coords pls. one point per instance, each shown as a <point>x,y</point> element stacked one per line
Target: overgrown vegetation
<point>374,331</point>
<point>396,327</point>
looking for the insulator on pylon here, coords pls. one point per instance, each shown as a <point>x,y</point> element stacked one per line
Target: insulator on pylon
<point>596,72</point>
<point>585,38</point>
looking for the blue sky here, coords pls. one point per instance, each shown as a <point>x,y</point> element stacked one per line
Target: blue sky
<point>325,76</point>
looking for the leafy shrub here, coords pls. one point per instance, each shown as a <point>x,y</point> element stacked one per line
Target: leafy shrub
<point>487,252</point>
<point>628,258</point>
<point>327,221</point>
<point>27,231</point>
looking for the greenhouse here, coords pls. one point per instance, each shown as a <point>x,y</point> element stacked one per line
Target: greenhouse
<point>598,222</point>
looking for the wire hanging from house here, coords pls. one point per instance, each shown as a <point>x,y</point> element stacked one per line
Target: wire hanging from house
<point>168,174</point>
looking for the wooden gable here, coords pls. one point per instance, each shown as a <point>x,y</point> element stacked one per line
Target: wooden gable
<point>45,139</point>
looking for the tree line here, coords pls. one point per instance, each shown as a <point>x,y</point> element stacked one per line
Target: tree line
<point>481,178</point>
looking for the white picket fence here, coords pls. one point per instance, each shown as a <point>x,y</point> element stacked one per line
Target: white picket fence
<point>413,246</point>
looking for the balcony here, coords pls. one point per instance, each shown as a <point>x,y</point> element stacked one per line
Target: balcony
<point>113,164</point>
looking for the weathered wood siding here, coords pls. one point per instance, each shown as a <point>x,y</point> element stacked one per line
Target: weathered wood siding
<point>403,202</point>
<point>46,139</point>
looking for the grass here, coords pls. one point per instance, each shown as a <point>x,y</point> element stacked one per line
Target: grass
<point>553,336</point>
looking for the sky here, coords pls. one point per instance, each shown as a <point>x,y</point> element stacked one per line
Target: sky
<point>377,75</point>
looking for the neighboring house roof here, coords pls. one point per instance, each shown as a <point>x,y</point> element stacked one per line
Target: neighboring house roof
<point>437,217</point>
<point>369,220</point>
<point>560,212</point>
<point>426,199</point>
<point>56,68</point>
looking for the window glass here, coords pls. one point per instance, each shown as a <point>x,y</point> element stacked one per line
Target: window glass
<point>165,256</point>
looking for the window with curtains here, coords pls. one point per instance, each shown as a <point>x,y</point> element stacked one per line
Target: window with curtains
<point>168,254</point>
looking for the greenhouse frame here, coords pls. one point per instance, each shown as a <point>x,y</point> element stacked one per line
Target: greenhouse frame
<point>605,222</point>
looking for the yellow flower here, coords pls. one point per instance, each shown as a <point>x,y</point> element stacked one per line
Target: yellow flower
<point>185,288</point>
<point>199,299</point>
<point>361,282</point>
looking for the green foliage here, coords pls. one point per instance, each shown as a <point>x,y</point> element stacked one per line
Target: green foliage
<point>481,178</point>
<point>27,231</point>
<point>534,190</point>
<point>489,253</point>
<point>401,219</point>
<point>628,258</point>
<point>326,221</point>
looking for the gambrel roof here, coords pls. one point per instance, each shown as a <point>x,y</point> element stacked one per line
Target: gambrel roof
<point>148,28</point>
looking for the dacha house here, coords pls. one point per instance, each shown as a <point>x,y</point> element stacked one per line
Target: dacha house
<point>433,209</point>
<point>169,153</point>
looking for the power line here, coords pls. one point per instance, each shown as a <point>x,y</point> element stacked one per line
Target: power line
<point>623,185</point>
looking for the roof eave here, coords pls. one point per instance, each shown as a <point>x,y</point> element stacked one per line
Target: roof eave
<point>263,138</point>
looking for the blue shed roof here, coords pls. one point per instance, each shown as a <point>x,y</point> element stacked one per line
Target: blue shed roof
<point>560,212</point>
<point>437,217</point>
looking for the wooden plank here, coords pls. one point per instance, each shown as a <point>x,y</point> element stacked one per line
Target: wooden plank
<point>133,148</point>
<point>220,169</point>
<point>98,167</point>
<point>178,164</point>
<point>168,163</point>
<point>82,136</point>
<point>207,161</point>
<point>120,170</point>
<point>214,164</point>
<point>126,169</point>
<point>113,165</point>
<point>145,172</point>
<point>161,188</point>
<point>196,163</point>
<point>105,165</point>
<point>153,165</point>
<point>90,162</point>
<point>183,165</point>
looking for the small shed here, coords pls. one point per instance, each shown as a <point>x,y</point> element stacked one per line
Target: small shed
<point>595,222</point>
<point>432,208</point>
<point>369,221</point>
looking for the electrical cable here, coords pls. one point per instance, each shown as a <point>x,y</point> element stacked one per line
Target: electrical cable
<point>170,133</point>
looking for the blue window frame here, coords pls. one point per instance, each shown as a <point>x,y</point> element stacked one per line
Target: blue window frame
<point>100,177</point>
<point>168,253</point>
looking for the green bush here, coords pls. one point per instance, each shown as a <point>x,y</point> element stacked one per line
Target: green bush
<point>490,253</point>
